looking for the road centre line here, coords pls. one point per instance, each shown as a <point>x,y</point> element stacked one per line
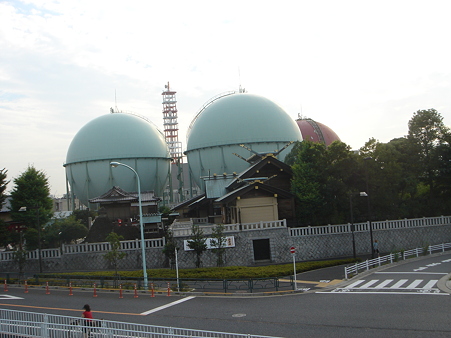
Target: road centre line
<point>167,305</point>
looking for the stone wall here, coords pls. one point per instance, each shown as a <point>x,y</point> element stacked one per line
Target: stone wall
<point>307,248</point>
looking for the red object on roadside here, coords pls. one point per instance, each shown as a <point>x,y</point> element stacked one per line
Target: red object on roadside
<point>136,293</point>
<point>70,289</point>
<point>26,287</point>
<point>120,291</point>
<point>6,286</point>
<point>47,291</point>
<point>293,250</point>
<point>169,290</point>
<point>95,290</point>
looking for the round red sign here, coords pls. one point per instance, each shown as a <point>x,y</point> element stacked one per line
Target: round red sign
<point>293,250</point>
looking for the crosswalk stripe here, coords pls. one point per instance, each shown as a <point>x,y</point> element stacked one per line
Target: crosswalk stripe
<point>350,286</point>
<point>430,284</point>
<point>398,284</point>
<point>371,282</point>
<point>383,284</point>
<point>414,284</point>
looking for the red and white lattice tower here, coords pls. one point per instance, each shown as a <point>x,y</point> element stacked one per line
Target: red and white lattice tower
<point>171,126</point>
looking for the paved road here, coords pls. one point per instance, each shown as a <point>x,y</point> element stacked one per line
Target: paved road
<point>320,312</point>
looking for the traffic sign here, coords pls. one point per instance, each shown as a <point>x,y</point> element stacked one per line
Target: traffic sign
<point>293,250</point>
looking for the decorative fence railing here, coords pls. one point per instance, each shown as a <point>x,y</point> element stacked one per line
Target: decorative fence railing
<point>105,246</point>
<point>84,247</point>
<point>45,253</point>
<point>31,324</point>
<point>375,225</point>
<point>184,229</point>
<point>393,257</point>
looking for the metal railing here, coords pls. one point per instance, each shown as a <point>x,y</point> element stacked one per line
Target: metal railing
<point>393,257</point>
<point>31,324</point>
<point>375,225</point>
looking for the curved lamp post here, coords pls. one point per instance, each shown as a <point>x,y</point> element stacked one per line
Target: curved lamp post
<point>361,194</point>
<point>141,226</point>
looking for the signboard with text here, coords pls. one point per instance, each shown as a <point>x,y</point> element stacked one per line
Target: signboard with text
<point>229,242</point>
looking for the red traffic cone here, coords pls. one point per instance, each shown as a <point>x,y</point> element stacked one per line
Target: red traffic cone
<point>136,293</point>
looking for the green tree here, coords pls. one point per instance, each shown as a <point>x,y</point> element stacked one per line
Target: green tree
<point>114,255</point>
<point>197,243</point>
<point>308,181</point>
<point>3,185</point>
<point>427,132</point>
<point>20,257</point>
<point>218,243</point>
<point>322,178</point>
<point>84,215</point>
<point>31,190</point>
<point>169,248</point>
<point>5,235</point>
<point>71,229</point>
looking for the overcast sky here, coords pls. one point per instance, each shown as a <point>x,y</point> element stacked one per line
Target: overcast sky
<point>360,67</point>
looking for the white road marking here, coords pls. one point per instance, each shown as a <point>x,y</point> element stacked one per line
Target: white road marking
<point>371,282</point>
<point>414,284</point>
<point>350,286</point>
<point>7,297</point>
<point>412,273</point>
<point>398,284</point>
<point>384,293</point>
<point>167,305</point>
<point>383,284</point>
<point>430,284</point>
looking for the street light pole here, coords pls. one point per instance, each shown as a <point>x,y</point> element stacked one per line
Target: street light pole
<point>39,242</point>
<point>369,206</point>
<point>362,194</point>
<point>143,249</point>
<point>352,227</point>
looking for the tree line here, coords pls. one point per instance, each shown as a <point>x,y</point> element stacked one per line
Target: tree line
<point>408,177</point>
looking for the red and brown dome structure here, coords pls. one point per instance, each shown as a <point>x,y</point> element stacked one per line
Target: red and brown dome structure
<point>316,132</point>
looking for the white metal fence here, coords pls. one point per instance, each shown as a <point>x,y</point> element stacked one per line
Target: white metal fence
<point>372,263</point>
<point>376,225</point>
<point>31,324</point>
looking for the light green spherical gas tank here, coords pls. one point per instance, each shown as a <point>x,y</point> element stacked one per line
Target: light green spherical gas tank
<point>121,137</point>
<point>223,125</point>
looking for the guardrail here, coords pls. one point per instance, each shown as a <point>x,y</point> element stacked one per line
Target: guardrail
<point>375,225</point>
<point>393,257</point>
<point>32,324</point>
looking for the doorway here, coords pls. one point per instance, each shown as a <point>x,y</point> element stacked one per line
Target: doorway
<point>262,249</point>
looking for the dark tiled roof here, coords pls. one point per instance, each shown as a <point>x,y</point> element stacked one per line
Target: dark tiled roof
<point>117,194</point>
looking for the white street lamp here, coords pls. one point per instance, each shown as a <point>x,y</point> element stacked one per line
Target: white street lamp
<point>143,249</point>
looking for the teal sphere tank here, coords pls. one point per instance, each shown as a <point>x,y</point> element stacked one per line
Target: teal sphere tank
<point>120,137</point>
<point>219,130</point>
